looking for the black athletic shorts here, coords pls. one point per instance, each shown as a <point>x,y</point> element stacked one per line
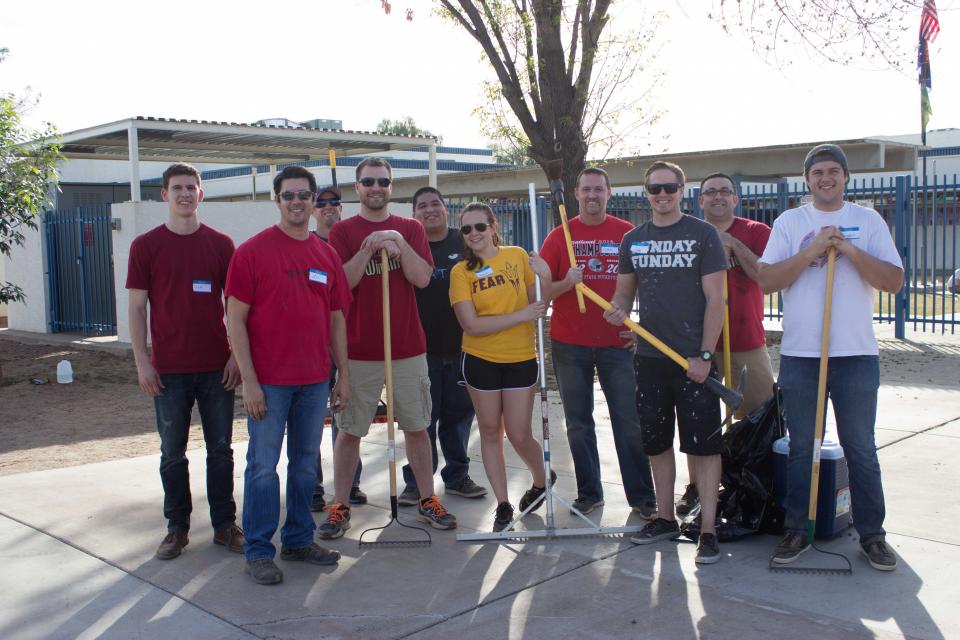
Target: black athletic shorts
<point>498,376</point>
<point>665,394</point>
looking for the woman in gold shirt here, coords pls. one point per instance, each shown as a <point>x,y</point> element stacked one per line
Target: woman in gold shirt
<point>491,293</point>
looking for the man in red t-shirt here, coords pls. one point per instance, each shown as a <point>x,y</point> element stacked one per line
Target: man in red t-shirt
<point>179,270</point>
<point>287,294</point>
<point>359,241</point>
<point>584,344</point>
<point>744,241</point>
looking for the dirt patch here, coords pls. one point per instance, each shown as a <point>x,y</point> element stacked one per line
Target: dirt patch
<point>102,416</point>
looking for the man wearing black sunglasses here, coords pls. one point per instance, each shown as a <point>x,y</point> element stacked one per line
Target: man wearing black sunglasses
<point>359,241</point>
<point>675,265</point>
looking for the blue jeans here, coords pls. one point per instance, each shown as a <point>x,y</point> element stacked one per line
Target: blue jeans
<point>318,487</point>
<point>174,407</point>
<point>852,385</point>
<point>574,366</point>
<point>450,420</point>
<point>300,409</point>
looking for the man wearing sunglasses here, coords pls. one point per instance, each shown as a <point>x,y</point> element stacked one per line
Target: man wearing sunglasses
<point>287,294</point>
<point>584,344</point>
<point>451,413</point>
<point>744,241</point>
<point>674,266</point>
<point>359,241</point>
<point>327,213</point>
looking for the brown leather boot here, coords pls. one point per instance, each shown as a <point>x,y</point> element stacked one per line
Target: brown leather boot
<point>173,543</point>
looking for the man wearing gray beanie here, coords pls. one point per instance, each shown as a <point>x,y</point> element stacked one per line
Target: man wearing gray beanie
<point>794,261</point>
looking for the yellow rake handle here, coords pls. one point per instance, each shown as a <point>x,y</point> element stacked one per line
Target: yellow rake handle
<point>570,254</point>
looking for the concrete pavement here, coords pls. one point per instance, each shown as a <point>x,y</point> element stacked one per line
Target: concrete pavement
<point>78,548</point>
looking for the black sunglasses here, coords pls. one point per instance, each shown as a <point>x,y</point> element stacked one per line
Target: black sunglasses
<point>328,202</point>
<point>304,194</point>
<point>468,228</point>
<point>368,182</point>
<point>669,187</point>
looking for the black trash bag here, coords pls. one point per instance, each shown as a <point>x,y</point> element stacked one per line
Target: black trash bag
<point>747,504</point>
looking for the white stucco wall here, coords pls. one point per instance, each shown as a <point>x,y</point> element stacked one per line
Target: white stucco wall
<point>26,267</point>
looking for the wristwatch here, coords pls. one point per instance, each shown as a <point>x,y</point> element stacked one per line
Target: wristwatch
<point>706,356</point>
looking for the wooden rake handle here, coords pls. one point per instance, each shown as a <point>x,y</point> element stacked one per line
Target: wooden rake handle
<point>388,369</point>
<point>573,258</point>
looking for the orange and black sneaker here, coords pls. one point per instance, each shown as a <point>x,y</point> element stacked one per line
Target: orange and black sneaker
<point>338,521</point>
<point>435,514</point>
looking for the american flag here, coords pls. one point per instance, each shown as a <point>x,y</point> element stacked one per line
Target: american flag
<point>929,22</point>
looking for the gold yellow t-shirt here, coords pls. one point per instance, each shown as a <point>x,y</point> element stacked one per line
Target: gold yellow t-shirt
<point>497,287</point>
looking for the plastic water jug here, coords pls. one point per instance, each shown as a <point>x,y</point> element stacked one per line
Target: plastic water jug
<point>64,372</point>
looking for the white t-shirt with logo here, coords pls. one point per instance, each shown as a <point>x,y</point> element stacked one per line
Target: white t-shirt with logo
<point>851,324</point>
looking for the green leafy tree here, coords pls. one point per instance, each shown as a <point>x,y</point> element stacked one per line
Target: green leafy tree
<point>28,161</point>
<point>404,127</point>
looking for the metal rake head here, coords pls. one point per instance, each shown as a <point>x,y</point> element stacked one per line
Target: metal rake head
<point>422,539</point>
<point>824,571</point>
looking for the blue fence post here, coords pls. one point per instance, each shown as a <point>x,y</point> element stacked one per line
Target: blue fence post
<point>903,244</point>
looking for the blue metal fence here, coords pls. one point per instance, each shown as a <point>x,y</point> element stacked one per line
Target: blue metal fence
<point>924,229</point>
<point>80,271</point>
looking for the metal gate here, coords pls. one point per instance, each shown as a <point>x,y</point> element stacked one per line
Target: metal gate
<point>80,271</point>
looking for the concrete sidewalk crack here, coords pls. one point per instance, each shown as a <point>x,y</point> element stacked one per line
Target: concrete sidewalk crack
<point>918,433</point>
<point>113,564</point>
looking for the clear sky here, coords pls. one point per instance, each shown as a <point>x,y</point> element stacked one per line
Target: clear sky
<point>240,61</point>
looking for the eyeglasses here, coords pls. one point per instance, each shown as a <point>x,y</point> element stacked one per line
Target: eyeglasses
<point>669,187</point>
<point>304,195</point>
<point>467,229</point>
<point>709,193</point>
<point>328,202</point>
<point>368,182</point>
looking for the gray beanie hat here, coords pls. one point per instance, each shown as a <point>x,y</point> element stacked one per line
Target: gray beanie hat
<point>823,152</point>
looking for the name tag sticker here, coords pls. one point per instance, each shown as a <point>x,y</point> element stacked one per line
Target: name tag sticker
<point>639,247</point>
<point>453,256</point>
<point>609,249</point>
<point>202,286</point>
<point>850,233</point>
<point>318,276</point>
<point>485,272</point>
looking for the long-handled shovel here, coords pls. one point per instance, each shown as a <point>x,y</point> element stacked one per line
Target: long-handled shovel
<point>548,496</point>
<point>419,540</point>
<point>730,397</point>
<point>818,438</point>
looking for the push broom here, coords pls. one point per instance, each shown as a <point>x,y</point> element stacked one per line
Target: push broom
<point>818,439</point>
<point>419,540</point>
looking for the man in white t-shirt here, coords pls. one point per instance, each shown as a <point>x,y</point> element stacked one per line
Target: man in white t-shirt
<point>794,261</point>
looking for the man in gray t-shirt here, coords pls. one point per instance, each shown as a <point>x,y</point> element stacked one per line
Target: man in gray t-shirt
<point>675,266</point>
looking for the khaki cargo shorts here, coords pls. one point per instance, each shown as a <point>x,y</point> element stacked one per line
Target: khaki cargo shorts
<point>411,395</point>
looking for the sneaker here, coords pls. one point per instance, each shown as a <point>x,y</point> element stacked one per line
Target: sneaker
<point>688,500</point>
<point>586,505</point>
<point>535,492</point>
<point>264,571</point>
<point>657,530</point>
<point>312,553</point>
<point>708,549</point>
<point>503,516</point>
<point>435,514</point>
<point>879,555</point>
<point>466,488</point>
<point>318,503</point>
<point>357,496</point>
<point>790,548</point>
<point>647,510</point>
<point>338,521</point>
<point>172,544</point>
<point>230,536</point>
<point>410,497</point>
